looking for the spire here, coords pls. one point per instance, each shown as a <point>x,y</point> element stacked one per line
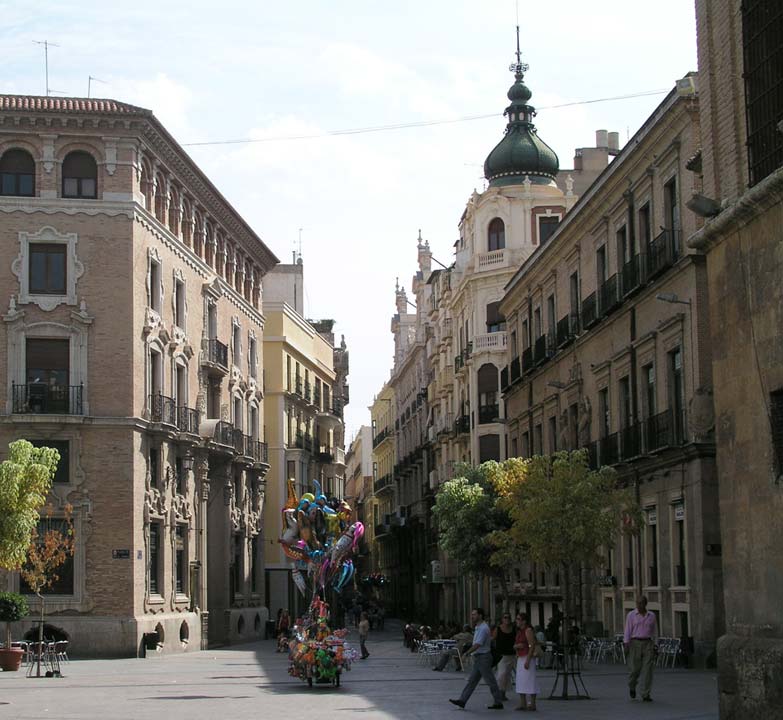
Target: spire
<point>521,152</point>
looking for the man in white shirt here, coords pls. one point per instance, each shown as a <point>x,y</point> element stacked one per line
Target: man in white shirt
<point>481,651</point>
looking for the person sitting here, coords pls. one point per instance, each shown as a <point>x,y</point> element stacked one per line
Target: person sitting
<point>463,641</point>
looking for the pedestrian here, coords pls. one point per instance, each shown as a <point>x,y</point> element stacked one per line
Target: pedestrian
<point>504,652</point>
<point>364,631</point>
<point>357,612</point>
<point>526,680</point>
<point>640,634</point>
<point>481,651</point>
<point>283,625</point>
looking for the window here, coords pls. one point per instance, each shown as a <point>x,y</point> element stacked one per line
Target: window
<point>63,472</point>
<point>538,440</point>
<point>496,235</point>
<point>288,372</point>
<point>17,173</point>
<point>676,389</point>
<point>291,468</point>
<point>495,320</point>
<point>573,292</point>
<point>550,316</point>
<point>761,23</point>
<point>625,403</point>
<point>179,475</point>
<point>600,265</point>
<point>153,465</point>
<point>680,575</point>
<point>525,335</point>
<point>252,357</point>
<point>630,575</point>
<point>212,321</point>
<point>776,422</point>
<point>238,413</point>
<point>156,372</point>
<point>180,560</point>
<point>236,569</point>
<point>64,584</point>
<point>48,265</point>
<point>155,291</point>
<point>537,329</point>
<point>547,224</point>
<point>552,435</point>
<point>526,444</point>
<point>154,558</point>
<point>514,347</point>
<point>623,250</point>
<point>573,425</point>
<point>644,225</point>
<point>181,386</point>
<point>253,568</point>
<point>80,176</point>
<point>489,448</point>
<point>652,545</point>
<point>179,303</point>
<point>236,344</point>
<point>648,378</point>
<point>671,213</point>
<point>603,413</point>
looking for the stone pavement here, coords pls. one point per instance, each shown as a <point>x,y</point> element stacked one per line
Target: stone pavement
<point>250,681</point>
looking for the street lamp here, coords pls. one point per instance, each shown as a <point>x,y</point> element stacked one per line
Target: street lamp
<point>187,462</point>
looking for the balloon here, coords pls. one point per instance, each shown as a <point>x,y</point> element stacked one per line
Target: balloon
<point>298,580</point>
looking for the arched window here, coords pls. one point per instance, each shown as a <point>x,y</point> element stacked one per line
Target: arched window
<point>80,175</point>
<point>496,235</point>
<point>17,173</point>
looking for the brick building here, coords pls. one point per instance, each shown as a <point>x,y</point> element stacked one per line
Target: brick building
<point>132,344</point>
<point>740,48</point>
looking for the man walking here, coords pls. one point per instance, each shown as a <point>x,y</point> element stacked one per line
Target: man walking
<point>640,633</point>
<point>482,663</point>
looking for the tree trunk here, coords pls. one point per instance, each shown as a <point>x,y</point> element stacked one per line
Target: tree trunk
<point>40,635</point>
<point>504,591</point>
<point>564,629</point>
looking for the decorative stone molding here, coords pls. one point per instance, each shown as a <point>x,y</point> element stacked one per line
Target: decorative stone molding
<point>21,268</point>
<point>110,153</point>
<point>47,152</point>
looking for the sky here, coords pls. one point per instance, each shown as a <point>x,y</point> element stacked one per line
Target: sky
<point>275,72</point>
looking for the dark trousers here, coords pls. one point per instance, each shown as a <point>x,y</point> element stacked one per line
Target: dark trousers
<point>482,668</point>
<point>362,640</point>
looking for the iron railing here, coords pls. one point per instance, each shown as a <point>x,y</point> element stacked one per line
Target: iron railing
<point>527,360</point>
<point>48,399</point>
<point>589,311</point>
<point>608,296</point>
<point>488,414</point>
<point>539,350</point>
<point>504,375</point>
<point>632,274</point>
<point>163,409</point>
<point>662,253</point>
<point>462,424</point>
<point>188,420</point>
<point>515,372</point>
<point>217,352</point>
<point>224,433</point>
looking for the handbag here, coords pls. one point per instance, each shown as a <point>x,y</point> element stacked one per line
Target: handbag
<point>537,652</point>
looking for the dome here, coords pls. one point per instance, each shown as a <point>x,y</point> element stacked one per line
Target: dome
<point>521,153</point>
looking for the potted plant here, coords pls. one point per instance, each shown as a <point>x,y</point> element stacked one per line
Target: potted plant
<point>13,607</point>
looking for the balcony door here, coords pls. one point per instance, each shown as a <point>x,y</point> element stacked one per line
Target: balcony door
<point>47,375</point>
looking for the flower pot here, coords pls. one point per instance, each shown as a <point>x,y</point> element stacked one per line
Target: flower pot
<point>11,659</point>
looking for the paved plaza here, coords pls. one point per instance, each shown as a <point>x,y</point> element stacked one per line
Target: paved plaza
<point>251,681</point>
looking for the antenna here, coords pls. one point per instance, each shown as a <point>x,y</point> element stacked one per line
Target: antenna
<point>46,45</point>
<point>518,67</point>
<point>90,78</point>
<point>300,243</point>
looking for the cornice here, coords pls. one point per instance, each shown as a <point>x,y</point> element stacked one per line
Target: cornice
<point>58,206</point>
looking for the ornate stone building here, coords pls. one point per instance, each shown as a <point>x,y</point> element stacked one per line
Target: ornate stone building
<point>133,345</point>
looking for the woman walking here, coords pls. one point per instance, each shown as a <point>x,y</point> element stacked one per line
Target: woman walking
<point>504,648</point>
<point>526,682</point>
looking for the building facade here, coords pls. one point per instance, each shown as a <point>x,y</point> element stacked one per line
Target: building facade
<point>304,396</point>
<point>359,494</point>
<point>132,344</point>
<point>612,354</point>
<point>741,91</point>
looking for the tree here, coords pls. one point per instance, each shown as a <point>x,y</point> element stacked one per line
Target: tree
<point>473,526</point>
<point>51,544</point>
<point>563,514</point>
<point>25,479</point>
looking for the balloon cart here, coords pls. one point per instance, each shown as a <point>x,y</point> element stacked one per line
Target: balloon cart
<point>318,655</point>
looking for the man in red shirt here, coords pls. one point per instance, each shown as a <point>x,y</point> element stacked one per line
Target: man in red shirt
<point>640,633</point>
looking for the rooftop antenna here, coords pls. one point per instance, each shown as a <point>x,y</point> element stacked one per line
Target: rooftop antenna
<point>46,45</point>
<point>300,243</point>
<point>518,67</point>
<point>90,78</point>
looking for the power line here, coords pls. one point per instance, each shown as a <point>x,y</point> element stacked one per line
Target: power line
<point>401,126</point>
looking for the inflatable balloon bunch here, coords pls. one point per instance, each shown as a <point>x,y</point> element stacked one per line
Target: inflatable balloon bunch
<point>316,654</point>
<point>320,539</point>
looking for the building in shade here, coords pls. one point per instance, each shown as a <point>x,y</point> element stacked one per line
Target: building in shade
<point>740,48</point>
<point>612,355</point>
<point>132,344</point>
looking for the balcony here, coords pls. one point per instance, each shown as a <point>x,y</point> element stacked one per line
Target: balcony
<point>40,398</point>
<point>609,448</point>
<point>447,328</point>
<point>488,414</point>
<point>608,296</point>
<point>663,430</point>
<point>515,372</point>
<point>317,396</point>
<point>589,311</point>
<point>662,253</point>
<point>187,420</point>
<point>337,408</point>
<point>567,328</point>
<point>298,387</point>
<point>163,409</point>
<point>383,483</point>
<point>632,275</point>
<point>540,350</point>
<point>492,260</point>
<point>527,360</point>
<point>308,395</point>
<point>462,425</point>
<point>459,363</point>
<point>490,342</point>
<point>257,450</point>
<point>338,458</point>
<point>215,356</point>
<point>504,376</point>
<point>631,441</point>
<point>324,454</point>
<point>380,437</point>
<point>224,433</point>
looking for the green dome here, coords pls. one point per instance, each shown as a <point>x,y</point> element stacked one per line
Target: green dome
<point>521,152</point>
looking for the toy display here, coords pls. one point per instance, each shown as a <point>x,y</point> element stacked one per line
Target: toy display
<point>316,653</point>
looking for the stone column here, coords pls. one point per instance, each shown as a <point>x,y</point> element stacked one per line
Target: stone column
<point>201,471</point>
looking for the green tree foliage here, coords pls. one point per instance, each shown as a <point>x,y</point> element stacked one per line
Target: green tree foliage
<point>473,526</point>
<point>25,479</point>
<point>564,514</point>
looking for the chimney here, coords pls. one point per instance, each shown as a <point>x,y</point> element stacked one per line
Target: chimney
<point>601,139</point>
<point>614,143</point>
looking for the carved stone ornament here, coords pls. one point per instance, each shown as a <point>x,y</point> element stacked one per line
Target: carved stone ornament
<point>151,321</point>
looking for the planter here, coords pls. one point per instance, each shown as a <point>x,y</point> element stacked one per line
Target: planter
<point>11,659</point>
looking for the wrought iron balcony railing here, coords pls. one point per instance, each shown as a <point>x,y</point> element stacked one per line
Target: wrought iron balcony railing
<point>47,399</point>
